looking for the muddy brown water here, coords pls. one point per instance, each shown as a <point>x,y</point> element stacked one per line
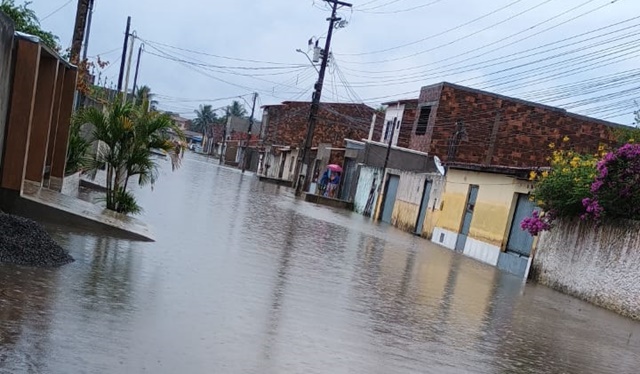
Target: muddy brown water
<point>244,278</point>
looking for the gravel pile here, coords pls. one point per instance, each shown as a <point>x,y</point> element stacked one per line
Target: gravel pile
<point>25,242</point>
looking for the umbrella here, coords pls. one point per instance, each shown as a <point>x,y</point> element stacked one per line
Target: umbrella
<point>334,167</point>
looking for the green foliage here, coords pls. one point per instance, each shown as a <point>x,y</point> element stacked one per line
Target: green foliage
<point>26,21</point>
<point>562,189</point>
<point>205,117</point>
<point>236,109</point>
<point>77,158</point>
<point>143,94</point>
<point>128,135</point>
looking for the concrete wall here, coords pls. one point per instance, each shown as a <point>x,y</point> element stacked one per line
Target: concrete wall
<point>409,198</point>
<point>6,44</point>
<point>367,176</point>
<point>492,214</point>
<point>399,158</point>
<point>597,264</point>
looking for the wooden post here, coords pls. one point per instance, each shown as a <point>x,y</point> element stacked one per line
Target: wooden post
<point>23,93</point>
<point>42,118</point>
<point>59,159</point>
<point>54,118</point>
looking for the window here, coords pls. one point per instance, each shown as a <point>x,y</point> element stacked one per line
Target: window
<point>387,130</point>
<point>423,120</point>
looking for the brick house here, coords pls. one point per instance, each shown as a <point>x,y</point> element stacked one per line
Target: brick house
<point>465,125</point>
<point>284,129</point>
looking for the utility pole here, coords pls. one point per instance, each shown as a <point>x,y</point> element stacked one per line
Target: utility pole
<point>386,159</point>
<point>135,76</point>
<point>315,102</point>
<point>224,139</point>
<point>124,53</point>
<point>244,152</point>
<point>88,31</point>
<point>85,49</point>
<point>129,59</point>
<point>79,29</point>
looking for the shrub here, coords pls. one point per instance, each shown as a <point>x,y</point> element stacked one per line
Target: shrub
<point>615,192</point>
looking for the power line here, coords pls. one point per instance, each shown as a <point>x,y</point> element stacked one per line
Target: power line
<point>434,35</point>
<point>503,39</point>
<point>56,11</point>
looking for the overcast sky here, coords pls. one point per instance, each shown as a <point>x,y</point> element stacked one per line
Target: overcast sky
<point>578,54</point>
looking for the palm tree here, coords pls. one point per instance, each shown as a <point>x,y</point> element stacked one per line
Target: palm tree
<point>129,135</point>
<point>236,109</point>
<point>205,116</point>
<point>144,93</point>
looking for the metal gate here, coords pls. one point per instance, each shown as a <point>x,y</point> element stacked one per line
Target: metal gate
<point>520,241</point>
<point>466,219</point>
<point>424,206</point>
<point>349,176</point>
<point>391,190</point>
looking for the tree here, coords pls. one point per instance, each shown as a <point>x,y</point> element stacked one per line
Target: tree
<point>205,116</point>
<point>128,136</point>
<point>26,21</point>
<point>237,109</point>
<point>144,94</point>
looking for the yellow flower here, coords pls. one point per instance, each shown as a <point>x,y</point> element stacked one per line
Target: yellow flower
<point>565,170</point>
<point>532,175</point>
<point>552,146</point>
<point>565,139</point>
<point>632,140</point>
<point>601,148</point>
<point>545,174</point>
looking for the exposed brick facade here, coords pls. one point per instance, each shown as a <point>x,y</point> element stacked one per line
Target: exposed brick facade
<point>286,124</point>
<point>498,130</point>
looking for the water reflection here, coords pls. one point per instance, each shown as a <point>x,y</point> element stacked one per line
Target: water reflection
<point>246,279</point>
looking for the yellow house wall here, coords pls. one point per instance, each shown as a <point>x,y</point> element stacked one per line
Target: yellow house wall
<point>409,198</point>
<point>494,205</point>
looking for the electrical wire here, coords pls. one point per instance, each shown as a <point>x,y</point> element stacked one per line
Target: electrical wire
<point>56,10</point>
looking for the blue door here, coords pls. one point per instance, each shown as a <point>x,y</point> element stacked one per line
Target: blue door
<point>391,190</point>
<point>424,206</point>
<point>520,241</point>
<point>466,218</point>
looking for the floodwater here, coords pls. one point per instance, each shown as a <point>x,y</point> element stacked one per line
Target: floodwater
<point>244,278</point>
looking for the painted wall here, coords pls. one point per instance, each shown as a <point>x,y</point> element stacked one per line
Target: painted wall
<point>393,111</point>
<point>494,205</point>
<point>409,198</point>
<point>596,264</point>
<point>368,175</point>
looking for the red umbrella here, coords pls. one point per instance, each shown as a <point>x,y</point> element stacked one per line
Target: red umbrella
<point>334,167</point>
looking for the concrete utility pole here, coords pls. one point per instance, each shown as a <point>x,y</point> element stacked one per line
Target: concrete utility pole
<point>224,138</point>
<point>129,60</point>
<point>88,31</point>
<point>304,160</point>
<point>244,152</point>
<point>135,76</point>
<point>124,54</point>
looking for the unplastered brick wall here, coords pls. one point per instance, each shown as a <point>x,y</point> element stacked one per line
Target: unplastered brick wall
<point>287,123</point>
<point>503,131</point>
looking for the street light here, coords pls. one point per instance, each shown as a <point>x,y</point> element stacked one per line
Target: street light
<point>308,58</point>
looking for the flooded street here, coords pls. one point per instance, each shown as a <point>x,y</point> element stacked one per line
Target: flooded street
<point>244,278</point>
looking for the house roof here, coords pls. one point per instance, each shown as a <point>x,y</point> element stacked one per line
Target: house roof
<point>520,172</point>
<point>403,101</point>
<point>333,105</point>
